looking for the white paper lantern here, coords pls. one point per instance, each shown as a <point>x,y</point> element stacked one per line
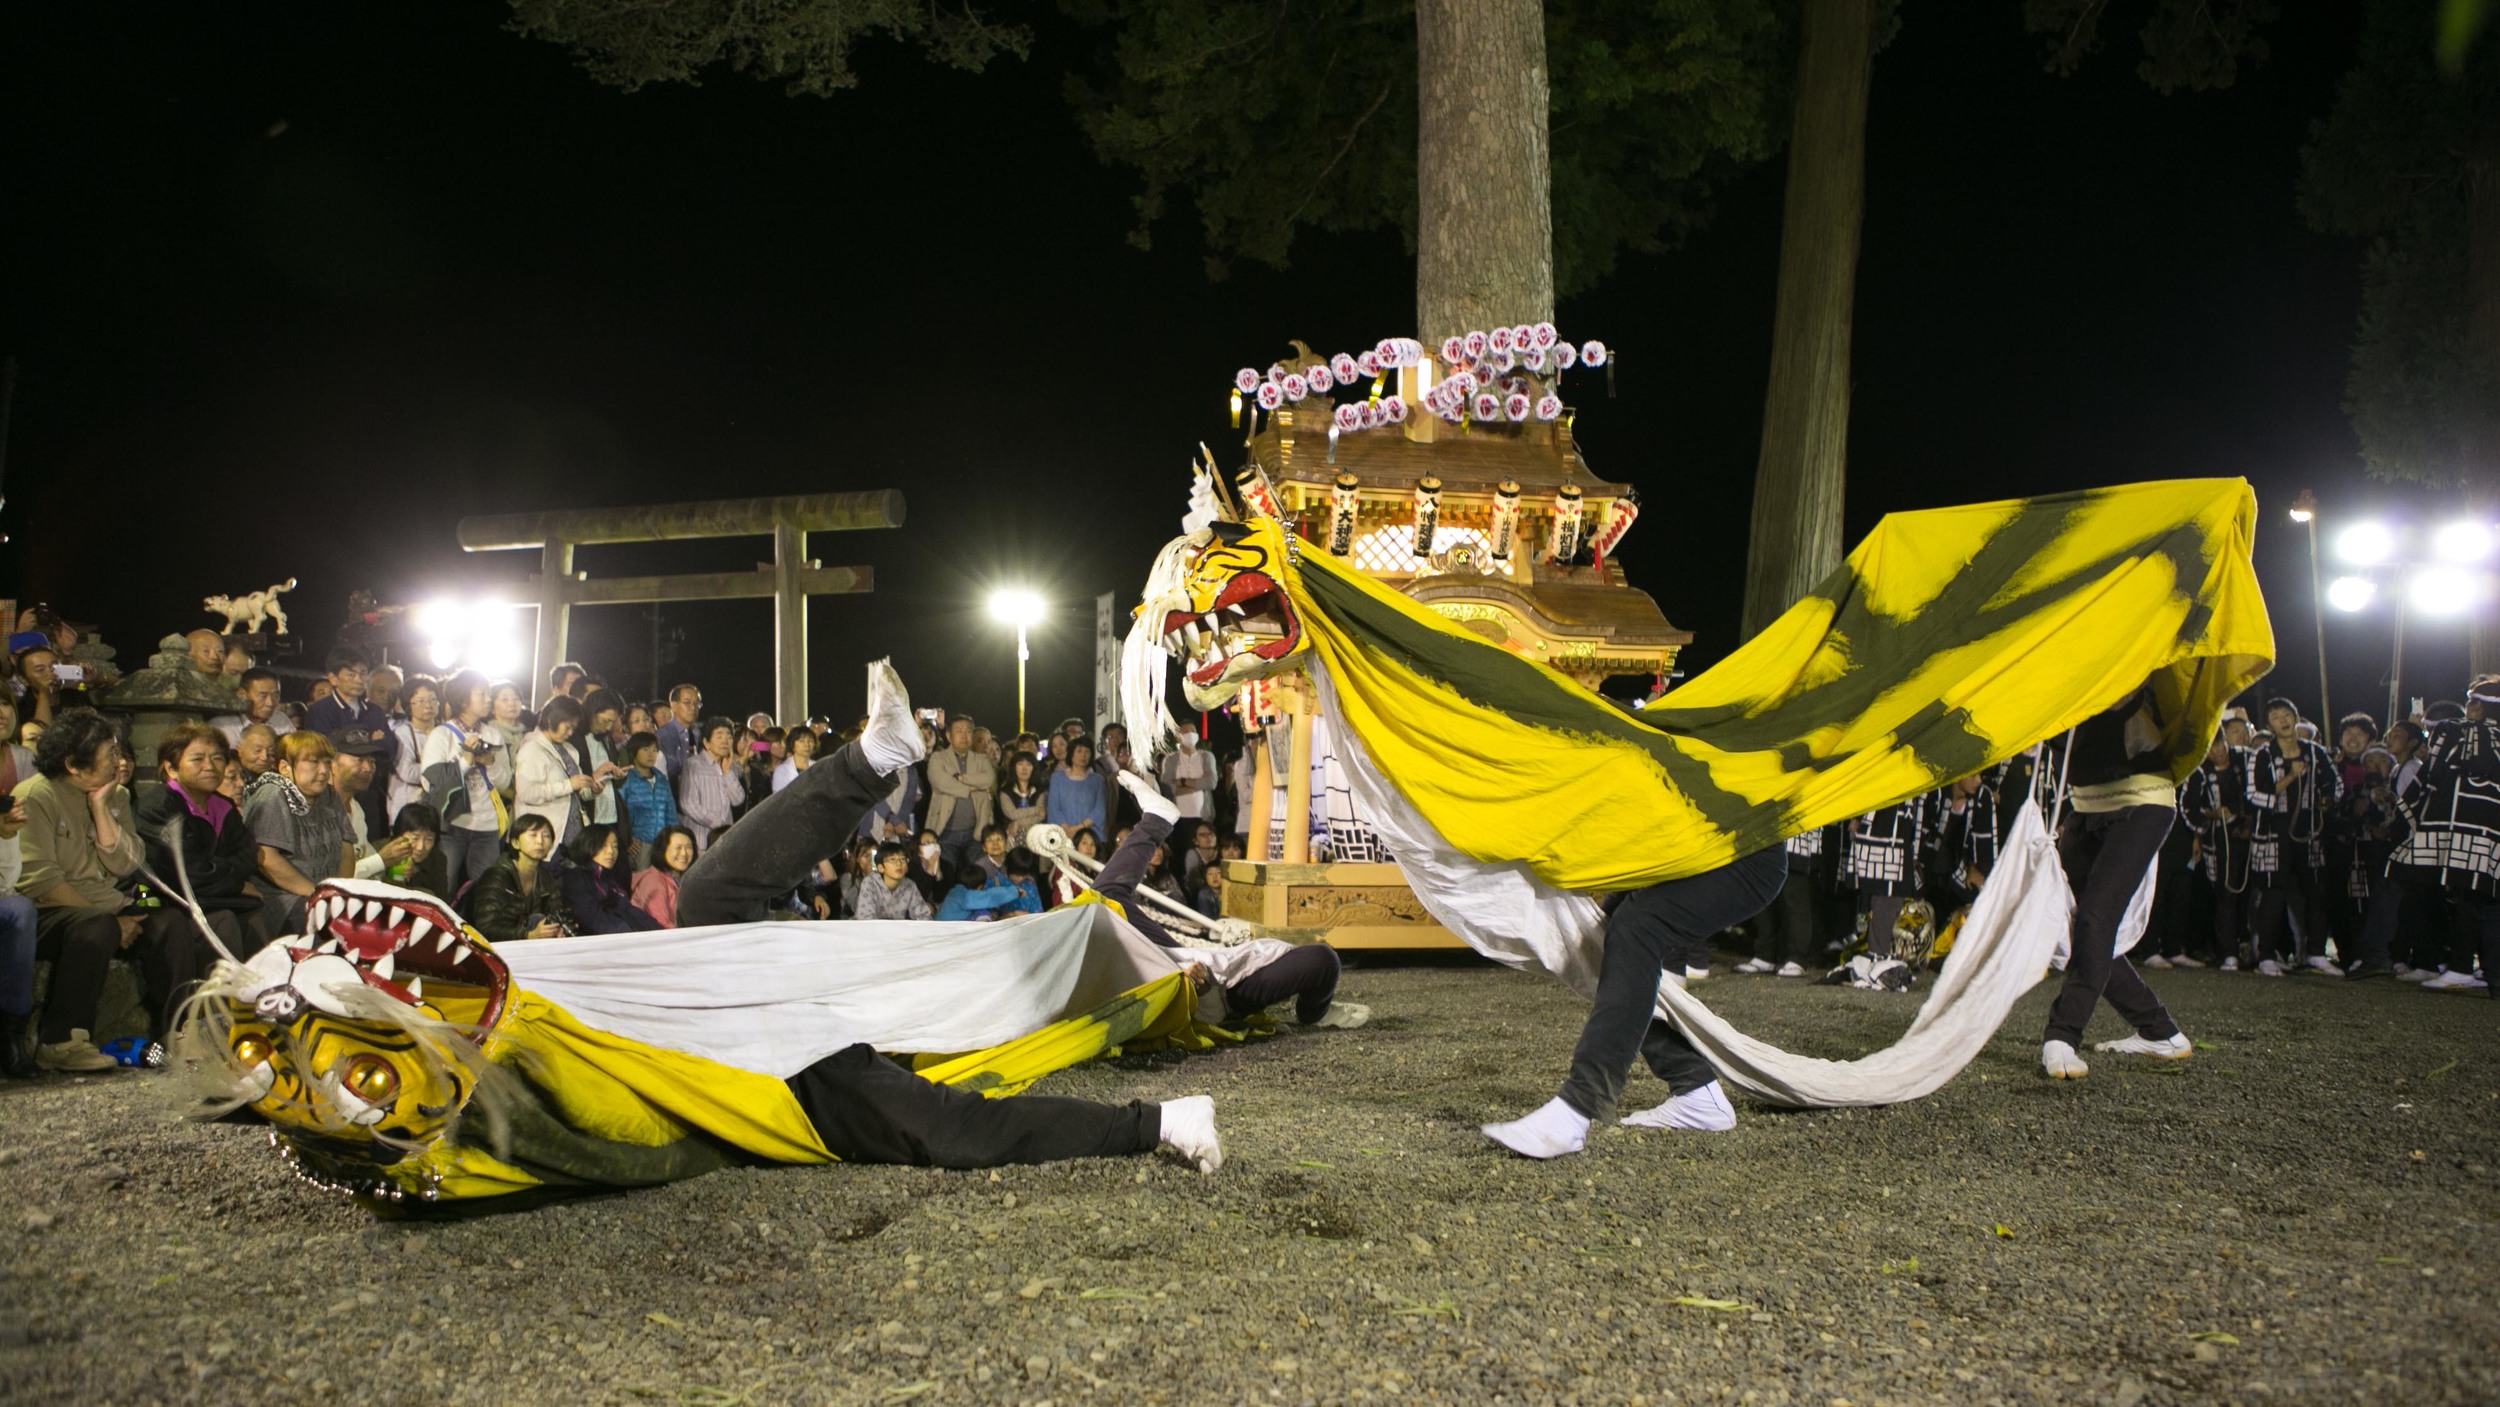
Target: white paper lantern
<point>1549,407</point>
<point>1565,356</point>
<point>1517,406</point>
<point>1488,406</point>
<point>1320,379</point>
<point>1271,395</point>
<point>1593,352</point>
<point>1344,368</point>
<point>1393,411</point>
<point>1453,350</point>
<point>1296,388</point>
<point>1545,334</point>
<point>1245,381</point>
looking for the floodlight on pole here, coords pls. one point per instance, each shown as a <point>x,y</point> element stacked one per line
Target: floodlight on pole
<point>1023,610</point>
<point>2351,593</point>
<point>2465,541</point>
<point>2366,544</point>
<point>2305,513</point>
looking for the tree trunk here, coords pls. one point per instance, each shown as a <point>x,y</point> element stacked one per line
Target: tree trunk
<point>2482,223</point>
<point>1484,233</point>
<point>1799,481</point>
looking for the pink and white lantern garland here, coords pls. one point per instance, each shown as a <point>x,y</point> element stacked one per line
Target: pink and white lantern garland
<point>1486,376</point>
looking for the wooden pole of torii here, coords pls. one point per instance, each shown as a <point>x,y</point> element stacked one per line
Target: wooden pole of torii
<point>788,579</point>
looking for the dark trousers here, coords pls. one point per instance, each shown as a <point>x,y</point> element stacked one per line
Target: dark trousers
<point>868,1109</point>
<point>1647,929</point>
<point>1787,926</point>
<point>80,943</point>
<point>1126,869</point>
<point>1882,912</point>
<point>741,875</point>
<point>2399,903</point>
<point>2174,898</point>
<point>467,855</point>
<point>2287,922</point>
<point>17,954</point>
<point>2230,920</point>
<point>2105,854</point>
<point>173,957</point>
<point>1308,974</point>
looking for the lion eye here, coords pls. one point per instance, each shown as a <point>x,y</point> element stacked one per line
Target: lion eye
<point>371,1079</point>
<point>252,1050</point>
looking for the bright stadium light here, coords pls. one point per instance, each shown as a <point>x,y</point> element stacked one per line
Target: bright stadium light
<point>2465,541</point>
<point>2351,593</point>
<point>2441,591</point>
<point>2366,544</point>
<point>443,652</point>
<point>1022,609</point>
<point>443,619</point>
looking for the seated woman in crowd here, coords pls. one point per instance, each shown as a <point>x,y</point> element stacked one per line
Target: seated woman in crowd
<point>301,827</point>
<point>1063,886</point>
<point>1023,803</point>
<point>860,863</point>
<point>218,855</point>
<point>975,896</point>
<point>929,869</point>
<point>423,867</point>
<point>800,746</point>
<point>520,896</point>
<point>655,885</point>
<point>890,892</point>
<point>599,903</point>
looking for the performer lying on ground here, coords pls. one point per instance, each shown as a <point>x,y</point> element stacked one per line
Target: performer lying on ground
<point>399,1057</point>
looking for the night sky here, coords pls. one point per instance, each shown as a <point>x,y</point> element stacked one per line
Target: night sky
<point>293,287</point>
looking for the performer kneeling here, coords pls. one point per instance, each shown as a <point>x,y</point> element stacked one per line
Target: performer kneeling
<point>868,1109</point>
<point>1646,930</point>
<point>2123,807</point>
<point>1307,974</point>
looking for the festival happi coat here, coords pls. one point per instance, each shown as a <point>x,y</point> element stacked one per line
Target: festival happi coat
<point>401,1058</point>
<point>1950,640</point>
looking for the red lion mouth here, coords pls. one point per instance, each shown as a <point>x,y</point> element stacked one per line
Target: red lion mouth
<point>1251,616</point>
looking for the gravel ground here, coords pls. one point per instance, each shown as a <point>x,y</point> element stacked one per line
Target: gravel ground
<point>2305,1212</point>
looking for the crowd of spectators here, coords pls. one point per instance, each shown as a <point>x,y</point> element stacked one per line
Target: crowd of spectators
<point>576,818</point>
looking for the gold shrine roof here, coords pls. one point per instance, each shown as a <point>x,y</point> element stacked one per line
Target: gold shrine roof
<point>1539,455</point>
<point>1622,616</point>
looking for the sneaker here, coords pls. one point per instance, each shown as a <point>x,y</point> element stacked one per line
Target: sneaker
<point>2176,1046</point>
<point>2324,966</point>
<point>2230,965</point>
<point>1341,1016</point>
<point>2419,974</point>
<point>2270,968</point>
<point>2185,961</point>
<point>2061,1062</point>
<point>1754,967</point>
<point>1790,969</point>
<point>2365,971</point>
<point>2157,963</point>
<point>75,1056</point>
<point>1696,974</point>
<point>2444,982</point>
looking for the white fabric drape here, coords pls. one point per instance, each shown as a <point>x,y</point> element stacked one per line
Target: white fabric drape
<point>777,997</point>
<point>1506,913</point>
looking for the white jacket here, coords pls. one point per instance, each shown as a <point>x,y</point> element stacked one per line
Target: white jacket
<point>543,773</point>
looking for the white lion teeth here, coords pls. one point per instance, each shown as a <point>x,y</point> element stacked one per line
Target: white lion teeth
<point>317,917</point>
<point>418,928</point>
<point>1211,621</point>
<point>384,966</point>
<point>330,947</point>
<point>416,988</point>
<point>1238,609</point>
<point>367,909</point>
<point>460,952</point>
<point>395,917</point>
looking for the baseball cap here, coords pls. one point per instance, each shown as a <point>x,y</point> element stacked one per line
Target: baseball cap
<point>363,742</point>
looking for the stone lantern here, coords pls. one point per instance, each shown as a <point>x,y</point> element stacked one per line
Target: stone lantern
<point>169,691</point>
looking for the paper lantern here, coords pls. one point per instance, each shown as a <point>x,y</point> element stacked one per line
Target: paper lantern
<point>1246,381</point>
<point>1565,356</point>
<point>1498,340</point>
<point>1271,395</point>
<point>1488,405</point>
<point>1502,360</point>
<point>1256,492</point>
<point>1517,406</point>
<point>1475,345</point>
<point>1593,352</point>
<point>1296,387</point>
<point>1344,367</point>
<point>1564,543</point>
<point>1427,514</point>
<point>1368,363</point>
<point>1505,518</point>
<point>1342,503</point>
<point>1319,378</point>
<point>1345,417</point>
<point>1619,517</point>
<point>1545,335</point>
<point>1453,350</point>
<point>1534,359</point>
<point>1549,407</point>
<point>1393,411</point>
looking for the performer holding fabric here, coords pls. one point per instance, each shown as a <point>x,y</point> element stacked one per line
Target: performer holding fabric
<point>2123,804</point>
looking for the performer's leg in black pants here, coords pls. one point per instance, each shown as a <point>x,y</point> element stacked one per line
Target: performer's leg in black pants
<point>1308,975</point>
<point>870,1110</point>
<point>2105,854</point>
<point>778,844</point>
<point>1126,869</point>
<point>1646,928</point>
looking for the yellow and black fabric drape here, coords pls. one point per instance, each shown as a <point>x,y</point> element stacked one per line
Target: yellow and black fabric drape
<point>1950,640</point>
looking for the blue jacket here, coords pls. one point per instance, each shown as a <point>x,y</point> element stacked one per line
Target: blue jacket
<point>962,905</point>
<point>650,806</point>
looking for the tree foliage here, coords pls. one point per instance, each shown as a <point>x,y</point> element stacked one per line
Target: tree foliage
<point>2191,44</point>
<point>2395,163</point>
<point>804,43</point>
<point>1269,116</point>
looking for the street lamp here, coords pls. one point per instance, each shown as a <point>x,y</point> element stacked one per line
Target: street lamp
<point>1023,610</point>
<point>2305,513</point>
<point>2451,582</point>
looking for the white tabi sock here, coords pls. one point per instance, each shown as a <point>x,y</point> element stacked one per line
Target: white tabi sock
<point>1150,800</point>
<point>1550,1132</point>
<point>1703,1110</point>
<point>891,742</point>
<point>1189,1130</point>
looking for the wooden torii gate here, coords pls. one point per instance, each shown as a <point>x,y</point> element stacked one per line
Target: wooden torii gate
<point>789,578</point>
